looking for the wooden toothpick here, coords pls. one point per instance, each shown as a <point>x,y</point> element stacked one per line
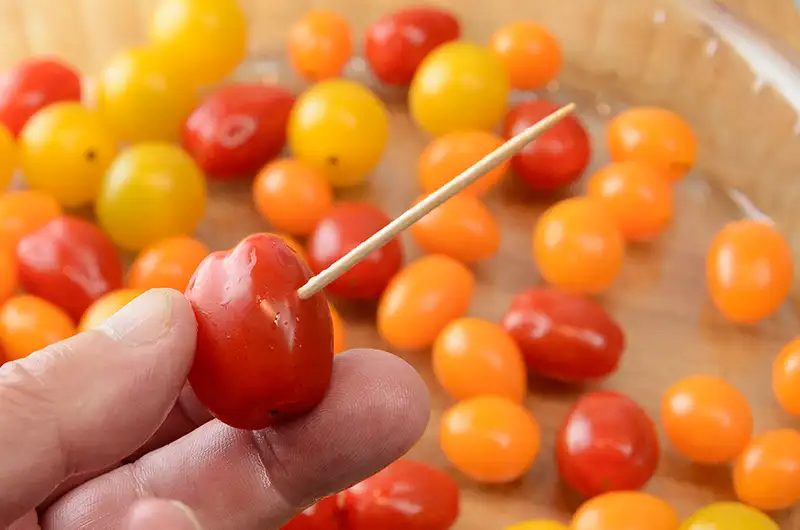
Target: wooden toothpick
<point>432,201</point>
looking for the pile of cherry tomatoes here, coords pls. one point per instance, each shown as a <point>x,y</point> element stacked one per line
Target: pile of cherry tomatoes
<point>139,157</point>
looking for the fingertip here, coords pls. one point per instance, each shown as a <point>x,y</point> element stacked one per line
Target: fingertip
<point>160,514</point>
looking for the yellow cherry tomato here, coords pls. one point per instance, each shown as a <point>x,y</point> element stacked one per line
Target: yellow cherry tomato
<point>339,127</point>
<point>459,86</point>
<point>729,516</point>
<point>206,39</point>
<point>64,150</point>
<point>152,191</point>
<point>8,158</point>
<point>143,96</point>
<point>538,525</point>
<point>105,306</point>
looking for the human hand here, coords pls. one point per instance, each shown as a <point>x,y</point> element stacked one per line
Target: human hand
<point>100,431</point>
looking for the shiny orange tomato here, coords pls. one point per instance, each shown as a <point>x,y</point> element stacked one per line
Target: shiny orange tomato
<point>578,246</point>
<point>169,263</point>
<point>9,278</point>
<point>339,331</point>
<point>490,439</point>
<point>625,510</point>
<point>474,357</point>
<point>450,155</point>
<point>786,377</point>
<point>530,53</point>
<point>462,228</point>
<point>292,196</point>
<point>24,212</point>
<point>749,270</point>
<point>422,299</point>
<point>29,323</point>
<point>319,44</point>
<point>654,135</point>
<point>767,473</point>
<point>638,195</point>
<point>707,419</point>
<point>104,307</point>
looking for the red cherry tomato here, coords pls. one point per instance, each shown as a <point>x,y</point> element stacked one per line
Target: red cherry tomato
<point>264,356</point>
<point>607,443</point>
<point>32,85</point>
<point>346,226</point>
<point>238,129</point>
<point>69,262</point>
<point>558,157</point>
<point>324,515</point>
<point>396,44</point>
<point>563,336</point>
<point>406,495</point>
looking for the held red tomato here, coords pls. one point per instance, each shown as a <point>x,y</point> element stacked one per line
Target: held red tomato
<point>69,262</point>
<point>324,515</point>
<point>346,226</point>
<point>406,495</point>
<point>558,157</point>
<point>238,129</point>
<point>396,44</point>
<point>563,336</point>
<point>607,443</point>
<point>264,356</point>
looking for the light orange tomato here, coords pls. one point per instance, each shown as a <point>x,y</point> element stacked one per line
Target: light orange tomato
<point>530,53</point>
<point>9,278</point>
<point>422,299</point>
<point>749,270</point>
<point>29,324</point>
<point>104,307</point>
<point>490,439</point>
<point>625,510</point>
<point>786,377</point>
<point>767,473</point>
<point>462,228</point>
<point>319,44</point>
<point>339,331</point>
<point>578,246</point>
<point>169,263</point>
<point>474,357</point>
<point>24,212</point>
<point>707,419</point>
<point>638,195</point>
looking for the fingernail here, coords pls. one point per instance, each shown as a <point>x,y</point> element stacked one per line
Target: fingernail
<point>190,516</point>
<point>143,321</point>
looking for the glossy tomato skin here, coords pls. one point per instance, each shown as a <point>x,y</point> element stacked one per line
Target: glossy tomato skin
<point>238,129</point>
<point>396,44</point>
<point>406,495</point>
<point>263,355</point>
<point>326,514</point>
<point>607,443</point>
<point>69,262</point>
<point>558,157</point>
<point>564,336</point>
<point>346,226</point>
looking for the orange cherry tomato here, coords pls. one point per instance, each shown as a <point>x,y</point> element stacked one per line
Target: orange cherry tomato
<point>638,195</point>
<point>292,196</point>
<point>625,510</point>
<point>9,277</point>
<point>707,419</point>
<point>339,331</point>
<point>578,246</point>
<point>319,44</point>
<point>29,323</point>
<point>169,263</point>
<point>490,439</point>
<point>474,357</point>
<point>749,270</point>
<point>767,473</point>
<point>462,228</point>
<point>786,377</point>
<point>422,299</point>
<point>530,53</point>
<point>653,135</point>
<point>24,212</point>
<point>104,307</point>
<point>450,155</point>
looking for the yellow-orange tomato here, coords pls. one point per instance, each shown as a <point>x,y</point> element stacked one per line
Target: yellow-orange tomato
<point>339,331</point>
<point>319,44</point>
<point>8,274</point>
<point>767,473</point>
<point>169,263</point>
<point>578,246</point>
<point>448,156</point>
<point>462,228</point>
<point>23,212</point>
<point>105,306</point>
<point>530,53</point>
<point>707,419</point>
<point>637,194</point>
<point>749,270</point>
<point>786,377</point>
<point>292,196</point>
<point>422,299</point>
<point>474,357</point>
<point>625,510</point>
<point>654,135</point>
<point>490,439</point>
<point>28,324</point>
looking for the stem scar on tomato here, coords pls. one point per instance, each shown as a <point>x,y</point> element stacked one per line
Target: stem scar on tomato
<point>90,155</point>
<point>333,160</point>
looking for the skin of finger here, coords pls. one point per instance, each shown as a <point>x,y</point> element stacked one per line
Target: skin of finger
<point>159,514</point>
<point>376,409</point>
<point>87,402</point>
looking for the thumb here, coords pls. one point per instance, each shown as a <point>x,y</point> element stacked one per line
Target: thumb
<point>89,401</point>
<point>159,514</point>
